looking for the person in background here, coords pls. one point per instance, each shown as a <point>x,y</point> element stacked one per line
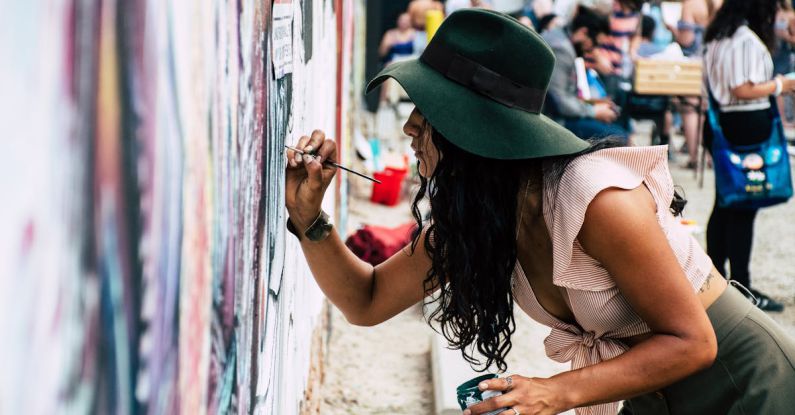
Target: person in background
<point>586,120</point>
<point>620,49</point>
<point>783,60</point>
<point>622,44</point>
<point>647,46</point>
<point>689,34</point>
<point>533,11</point>
<point>548,22</point>
<point>652,43</point>
<point>398,43</point>
<point>418,10</point>
<point>689,31</point>
<point>453,5</point>
<point>567,9</point>
<point>739,71</point>
<point>662,36</point>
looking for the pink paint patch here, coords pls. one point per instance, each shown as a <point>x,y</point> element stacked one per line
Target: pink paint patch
<point>28,236</point>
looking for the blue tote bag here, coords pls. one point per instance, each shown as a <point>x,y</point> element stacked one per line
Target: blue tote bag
<point>751,176</point>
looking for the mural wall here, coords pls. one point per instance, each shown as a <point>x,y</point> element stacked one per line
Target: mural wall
<point>144,267</point>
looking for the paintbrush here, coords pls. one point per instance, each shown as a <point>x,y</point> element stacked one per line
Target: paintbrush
<point>335,165</point>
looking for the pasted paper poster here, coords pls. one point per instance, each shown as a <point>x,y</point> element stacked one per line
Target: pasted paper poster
<point>282,37</point>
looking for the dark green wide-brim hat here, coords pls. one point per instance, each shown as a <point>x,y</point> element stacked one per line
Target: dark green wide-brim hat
<point>481,82</point>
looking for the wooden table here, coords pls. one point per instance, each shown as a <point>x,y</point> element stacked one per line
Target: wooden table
<point>680,78</point>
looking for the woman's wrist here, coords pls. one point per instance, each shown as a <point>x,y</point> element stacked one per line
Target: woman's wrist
<point>568,397</point>
<point>779,85</point>
<point>302,221</point>
<point>317,230</point>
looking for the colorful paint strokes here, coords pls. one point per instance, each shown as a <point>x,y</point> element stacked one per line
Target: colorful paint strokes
<point>144,267</point>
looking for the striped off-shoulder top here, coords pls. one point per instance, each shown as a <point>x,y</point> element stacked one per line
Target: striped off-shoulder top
<point>603,316</point>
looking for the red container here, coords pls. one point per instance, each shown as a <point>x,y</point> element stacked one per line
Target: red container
<point>388,192</point>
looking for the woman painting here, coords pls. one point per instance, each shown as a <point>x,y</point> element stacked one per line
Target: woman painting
<point>579,236</point>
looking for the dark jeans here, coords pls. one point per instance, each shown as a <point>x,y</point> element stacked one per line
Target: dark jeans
<point>587,128</point>
<point>730,232</point>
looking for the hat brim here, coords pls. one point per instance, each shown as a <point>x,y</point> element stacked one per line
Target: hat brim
<point>476,123</point>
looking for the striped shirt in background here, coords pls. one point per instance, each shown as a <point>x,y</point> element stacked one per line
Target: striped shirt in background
<point>624,25</point>
<point>734,61</point>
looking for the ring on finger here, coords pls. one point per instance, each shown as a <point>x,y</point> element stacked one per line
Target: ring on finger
<point>515,412</point>
<point>509,380</point>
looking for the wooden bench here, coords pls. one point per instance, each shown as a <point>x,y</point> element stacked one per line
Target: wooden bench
<point>672,78</point>
<point>680,78</point>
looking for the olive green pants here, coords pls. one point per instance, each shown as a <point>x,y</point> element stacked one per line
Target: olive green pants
<point>754,372</point>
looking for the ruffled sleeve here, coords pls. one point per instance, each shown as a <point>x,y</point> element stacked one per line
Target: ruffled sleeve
<point>566,201</point>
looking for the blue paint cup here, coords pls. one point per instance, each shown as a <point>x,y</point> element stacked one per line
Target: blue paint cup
<point>469,394</point>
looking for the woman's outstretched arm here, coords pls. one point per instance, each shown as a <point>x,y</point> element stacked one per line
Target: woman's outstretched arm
<point>366,295</point>
<point>621,232</point>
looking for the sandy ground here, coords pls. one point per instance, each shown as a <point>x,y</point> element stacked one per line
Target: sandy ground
<point>386,369</point>
<point>383,369</point>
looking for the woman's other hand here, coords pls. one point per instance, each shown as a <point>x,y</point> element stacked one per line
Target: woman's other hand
<point>604,112</point>
<point>526,396</point>
<point>307,177</point>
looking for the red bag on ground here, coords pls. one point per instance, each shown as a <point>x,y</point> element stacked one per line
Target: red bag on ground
<point>374,244</point>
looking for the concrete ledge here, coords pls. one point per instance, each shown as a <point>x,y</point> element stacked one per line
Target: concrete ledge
<point>528,358</point>
<point>449,370</point>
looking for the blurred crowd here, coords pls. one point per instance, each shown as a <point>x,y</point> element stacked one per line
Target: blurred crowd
<point>743,49</point>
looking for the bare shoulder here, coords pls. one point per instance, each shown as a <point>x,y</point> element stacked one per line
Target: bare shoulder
<point>616,212</point>
<point>632,199</point>
<point>622,233</point>
<point>695,11</point>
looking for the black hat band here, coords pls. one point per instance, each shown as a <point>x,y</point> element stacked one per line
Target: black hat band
<point>481,79</point>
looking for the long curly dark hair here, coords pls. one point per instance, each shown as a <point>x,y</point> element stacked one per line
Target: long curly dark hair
<point>471,239</point>
<point>759,15</point>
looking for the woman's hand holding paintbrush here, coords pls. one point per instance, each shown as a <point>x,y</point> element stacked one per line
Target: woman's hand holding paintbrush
<point>308,177</point>
<point>333,163</point>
